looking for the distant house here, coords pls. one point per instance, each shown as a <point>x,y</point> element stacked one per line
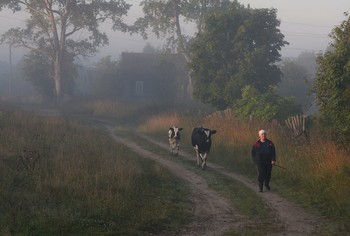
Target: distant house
<point>154,77</point>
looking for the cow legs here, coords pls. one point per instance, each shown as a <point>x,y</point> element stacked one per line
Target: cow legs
<point>174,147</point>
<point>204,160</point>
<point>177,150</point>
<point>201,158</point>
<point>171,149</point>
<point>197,154</point>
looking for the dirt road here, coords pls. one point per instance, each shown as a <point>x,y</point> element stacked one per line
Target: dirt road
<point>213,214</point>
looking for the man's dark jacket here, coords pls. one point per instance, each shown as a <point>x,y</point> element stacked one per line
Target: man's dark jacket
<point>263,151</point>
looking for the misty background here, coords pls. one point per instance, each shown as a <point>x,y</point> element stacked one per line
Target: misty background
<point>305,25</point>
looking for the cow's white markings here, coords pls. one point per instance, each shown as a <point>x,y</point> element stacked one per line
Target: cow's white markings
<point>201,142</point>
<point>174,139</point>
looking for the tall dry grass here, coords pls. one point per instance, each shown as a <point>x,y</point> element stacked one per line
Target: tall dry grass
<point>110,108</point>
<point>157,123</point>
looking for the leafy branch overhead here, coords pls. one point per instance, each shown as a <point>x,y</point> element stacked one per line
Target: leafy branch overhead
<point>332,83</point>
<point>165,19</point>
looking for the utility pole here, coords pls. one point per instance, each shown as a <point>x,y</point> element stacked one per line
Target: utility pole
<point>10,76</point>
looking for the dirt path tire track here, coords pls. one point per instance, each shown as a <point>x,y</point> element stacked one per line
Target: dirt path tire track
<point>295,219</point>
<point>213,213</point>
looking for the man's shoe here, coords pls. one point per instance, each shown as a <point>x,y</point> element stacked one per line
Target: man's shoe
<point>268,189</point>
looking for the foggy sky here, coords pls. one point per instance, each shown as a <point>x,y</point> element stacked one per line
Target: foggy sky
<point>305,24</point>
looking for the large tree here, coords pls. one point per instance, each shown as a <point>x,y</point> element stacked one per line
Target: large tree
<point>238,47</point>
<point>54,23</point>
<point>37,67</point>
<point>332,83</point>
<point>165,17</point>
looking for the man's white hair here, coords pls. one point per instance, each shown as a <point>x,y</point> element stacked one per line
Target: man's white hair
<point>262,132</point>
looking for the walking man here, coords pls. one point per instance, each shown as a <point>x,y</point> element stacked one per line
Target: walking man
<point>264,156</point>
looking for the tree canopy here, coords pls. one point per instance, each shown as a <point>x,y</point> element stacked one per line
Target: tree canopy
<point>332,83</point>
<point>36,67</point>
<point>264,106</point>
<point>238,47</point>
<point>53,24</point>
<point>165,18</point>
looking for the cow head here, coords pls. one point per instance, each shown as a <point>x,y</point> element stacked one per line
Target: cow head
<point>208,133</point>
<point>174,132</point>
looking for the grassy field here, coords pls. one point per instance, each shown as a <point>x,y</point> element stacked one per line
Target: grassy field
<point>318,171</point>
<point>59,177</point>
<point>62,178</point>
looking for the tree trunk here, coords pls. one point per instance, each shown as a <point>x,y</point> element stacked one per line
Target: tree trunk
<point>181,45</point>
<point>58,47</point>
<point>57,79</point>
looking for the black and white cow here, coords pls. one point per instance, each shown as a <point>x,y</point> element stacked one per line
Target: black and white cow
<point>201,142</point>
<point>174,139</point>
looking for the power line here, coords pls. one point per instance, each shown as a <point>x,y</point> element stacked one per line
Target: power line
<point>301,34</point>
<point>303,49</point>
<point>304,24</point>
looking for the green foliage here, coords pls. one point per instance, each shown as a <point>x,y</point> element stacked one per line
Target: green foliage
<point>265,107</point>
<point>332,84</point>
<point>37,68</point>
<point>197,10</point>
<point>239,47</point>
<point>164,19</point>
